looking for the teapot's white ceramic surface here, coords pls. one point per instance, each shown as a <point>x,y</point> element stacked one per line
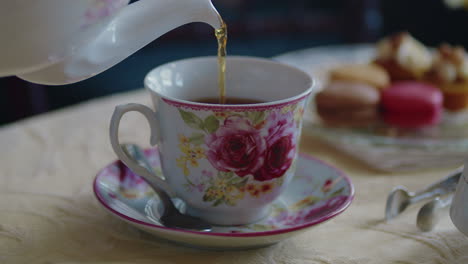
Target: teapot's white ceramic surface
<point>459,207</point>
<point>65,41</point>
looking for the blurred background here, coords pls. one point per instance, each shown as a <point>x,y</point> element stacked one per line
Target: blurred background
<point>262,28</point>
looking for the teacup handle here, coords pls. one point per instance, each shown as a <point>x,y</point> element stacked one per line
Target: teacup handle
<point>119,111</point>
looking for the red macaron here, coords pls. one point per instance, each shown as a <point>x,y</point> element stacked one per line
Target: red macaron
<point>411,104</point>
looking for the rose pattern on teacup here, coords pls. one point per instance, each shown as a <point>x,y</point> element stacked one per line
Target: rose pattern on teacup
<point>99,9</point>
<point>249,151</point>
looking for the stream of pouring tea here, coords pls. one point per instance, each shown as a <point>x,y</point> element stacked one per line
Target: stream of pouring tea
<point>221,36</point>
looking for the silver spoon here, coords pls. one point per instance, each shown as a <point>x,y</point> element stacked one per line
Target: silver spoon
<point>170,217</point>
<point>430,214</point>
<point>400,198</point>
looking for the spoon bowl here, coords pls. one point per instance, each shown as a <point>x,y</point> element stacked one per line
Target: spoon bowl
<point>398,200</point>
<point>430,214</point>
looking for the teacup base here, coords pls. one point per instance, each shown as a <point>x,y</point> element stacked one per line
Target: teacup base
<point>229,217</point>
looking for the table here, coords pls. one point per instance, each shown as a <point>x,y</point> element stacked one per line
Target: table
<point>48,213</point>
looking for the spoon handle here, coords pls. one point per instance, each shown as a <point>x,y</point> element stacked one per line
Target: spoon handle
<point>137,155</point>
<point>442,187</point>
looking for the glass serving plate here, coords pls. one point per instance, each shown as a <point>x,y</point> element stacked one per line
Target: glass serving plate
<point>381,146</point>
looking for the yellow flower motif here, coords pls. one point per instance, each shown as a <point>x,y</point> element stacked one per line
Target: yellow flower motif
<point>256,193</point>
<point>266,188</point>
<point>308,201</point>
<point>193,163</point>
<point>298,114</point>
<point>230,189</point>
<point>219,193</point>
<point>257,190</point>
<point>288,108</point>
<point>191,154</point>
<point>214,193</point>
<point>199,152</point>
<point>183,139</point>
<point>185,148</point>
<point>237,194</point>
<point>232,194</point>
<point>221,183</point>
<point>210,193</point>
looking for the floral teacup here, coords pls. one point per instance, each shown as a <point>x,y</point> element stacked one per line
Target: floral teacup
<point>227,162</point>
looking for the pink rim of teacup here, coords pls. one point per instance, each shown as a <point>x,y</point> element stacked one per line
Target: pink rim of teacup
<point>317,221</point>
<point>234,108</point>
<point>311,84</point>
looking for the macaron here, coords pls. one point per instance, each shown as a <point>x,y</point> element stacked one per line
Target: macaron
<point>369,74</point>
<point>455,96</point>
<point>411,104</point>
<point>348,104</point>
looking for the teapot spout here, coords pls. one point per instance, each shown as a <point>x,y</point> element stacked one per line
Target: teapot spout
<point>131,29</point>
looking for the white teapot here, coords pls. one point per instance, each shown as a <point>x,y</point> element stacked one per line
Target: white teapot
<point>65,41</point>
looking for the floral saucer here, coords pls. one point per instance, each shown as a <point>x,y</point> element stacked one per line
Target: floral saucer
<point>317,193</point>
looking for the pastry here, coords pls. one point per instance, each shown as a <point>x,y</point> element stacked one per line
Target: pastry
<point>348,104</point>
<point>372,75</point>
<point>411,104</point>
<point>450,73</point>
<point>403,57</point>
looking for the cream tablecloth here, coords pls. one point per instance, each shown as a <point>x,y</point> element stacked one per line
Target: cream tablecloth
<point>48,213</point>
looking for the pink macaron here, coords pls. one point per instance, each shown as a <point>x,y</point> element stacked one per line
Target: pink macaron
<point>411,104</point>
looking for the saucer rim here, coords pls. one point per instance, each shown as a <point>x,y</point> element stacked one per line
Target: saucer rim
<point>319,220</point>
